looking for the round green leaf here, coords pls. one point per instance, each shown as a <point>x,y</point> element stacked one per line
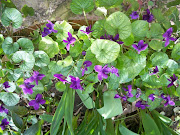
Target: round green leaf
<point>108,3</point>
<point>176,52</point>
<point>156,45</point>
<point>98,29</point>
<point>156,31</point>
<point>49,46</point>
<point>130,40</point>
<point>26,59</point>
<point>118,23</point>
<point>159,59</point>
<point>106,51</point>
<point>10,99</point>
<point>12,87</point>
<point>27,11</point>
<point>41,58</point>
<point>140,28</point>
<point>26,45</point>
<point>11,15</point>
<point>78,6</point>
<point>66,62</point>
<point>37,89</point>
<point>60,86</point>
<point>8,46</point>
<point>76,49</point>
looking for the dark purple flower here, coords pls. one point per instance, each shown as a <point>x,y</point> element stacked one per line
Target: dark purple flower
<point>168,101</point>
<point>148,17</point>
<point>27,87</point>
<point>129,94</point>
<point>88,30</point>
<point>36,76</point>
<point>102,71</point>
<point>2,109</point>
<point>114,71</point>
<point>141,105</point>
<point>110,37</point>
<point>117,96</point>
<point>140,47</point>
<point>38,100</point>
<point>134,15</point>
<point>61,78</point>
<point>151,97</point>
<point>167,36</point>
<point>122,97</point>
<point>75,83</point>
<point>6,85</point>
<point>83,53</point>
<point>85,65</point>
<point>138,93</point>
<point>4,123</point>
<point>172,80</point>
<point>49,29</point>
<point>155,71</point>
<point>70,41</point>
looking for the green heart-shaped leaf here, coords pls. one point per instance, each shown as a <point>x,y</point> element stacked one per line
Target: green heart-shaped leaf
<point>26,59</point>
<point>176,52</point>
<point>41,58</point>
<point>11,15</point>
<point>106,51</point>
<point>10,99</point>
<point>26,45</point>
<point>118,23</point>
<point>8,46</point>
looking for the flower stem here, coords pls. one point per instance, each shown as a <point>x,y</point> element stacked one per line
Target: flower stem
<point>85,17</point>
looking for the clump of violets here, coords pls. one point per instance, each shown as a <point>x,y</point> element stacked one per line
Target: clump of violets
<point>141,104</point>
<point>88,30</point>
<point>134,15</point>
<point>155,71</point>
<point>168,100</point>
<point>129,90</point>
<point>151,97</point>
<point>85,65</point>
<point>4,123</point>
<point>36,103</point>
<point>35,77</point>
<point>70,41</point>
<point>61,78</point>
<point>167,36</point>
<point>48,29</point>
<point>173,80</point>
<point>138,93</point>
<point>114,71</point>
<point>140,47</point>
<point>110,37</point>
<point>102,71</point>
<point>75,83</point>
<point>148,17</point>
<point>27,87</point>
<point>2,109</point>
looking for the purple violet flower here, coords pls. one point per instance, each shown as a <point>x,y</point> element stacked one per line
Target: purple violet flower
<point>155,71</point>
<point>114,71</point>
<point>4,123</point>
<point>117,96</point>
<point>27,87</point>
<point>85,65</point>
<point>61,78</point>
<point>134,15</point>
<point>49,29</point>
<point>70,41</point>
<point>172,80</point>
<point>151,97</point>
<point>168,101</point>
<point>102,71</point>
<point>75,83</point>
<point>36,76</point>
<point>2,109</point>
<point>148,17</point>
<point>129,94</point>
<point>83,53</point>
<point>110,37</point>
<point>38,100</point>
<point>162,96</point>
<point>138,93</point>
<point>6,85</point>
<point>140,47</point>
<point>88,30</point>
<point>141,105</point>
<point>167,36</point>
<point>122,97</point>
